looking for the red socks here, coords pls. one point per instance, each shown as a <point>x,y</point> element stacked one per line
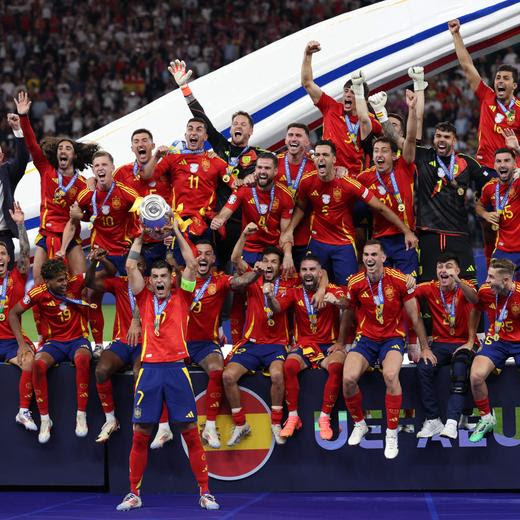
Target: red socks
<point>393,409</point>
<point>276,415</point>
<point>96,319</point>
<point>483,406</point>
<point>138,460</point>
<point>239,418</point>
<point>355,407</point>
<point>106,397</point>
<point>291,369</point>
<point>25,388</point>
<point>82,363</point>
<point>164,414</point>
<point>40,386</point>
<point>213,394</point>
<point>332,386</point>
<point>197,457</point>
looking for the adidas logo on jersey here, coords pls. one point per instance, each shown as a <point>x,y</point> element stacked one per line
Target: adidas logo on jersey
<point>315,194</point>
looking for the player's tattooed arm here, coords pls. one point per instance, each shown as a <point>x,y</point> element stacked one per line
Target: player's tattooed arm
<point>242,281</point>
<point>134,331</point>
<point>25,248</point>
<point>135,278</point>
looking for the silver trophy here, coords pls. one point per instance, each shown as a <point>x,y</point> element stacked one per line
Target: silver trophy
<point>156,217</point>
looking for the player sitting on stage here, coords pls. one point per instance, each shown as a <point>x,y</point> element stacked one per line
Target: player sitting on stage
<point>376,297</point>
<point>163,376</point>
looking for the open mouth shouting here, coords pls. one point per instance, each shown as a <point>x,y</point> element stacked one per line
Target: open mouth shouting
<point>500,90</point>
<point>203,266</point>
<point>193,142</point>
<point>63,161</point>
<point>142,153</point>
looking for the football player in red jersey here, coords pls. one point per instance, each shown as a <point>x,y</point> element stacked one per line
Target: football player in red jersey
<point>451,302</point>
<point>332,200</point>
<point>12,289</point>
<point>163,377</point>
<point>349,131</point>
<point>318,343</point>
<point>499,297</point>
<point>59,161</point>
<point>125,348</point>
<point>499,205</point>
<point>377,296</point>
<point>65,338</point>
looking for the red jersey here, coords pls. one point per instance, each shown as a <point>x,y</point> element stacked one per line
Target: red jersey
<point>441,331</point>
<point>118,286</point>
<point>361,296</point>
<point>60,320</point>
<point>193,179</point>
<point>14,293</point>
<point>54,211</point>
<point>508,238</point>
<point>257,328</point>
<point>349,150</point>
<point>332,207</point>
<point>404,178</point>
<point>492,123</point>
<point>327,318</point>
<point>206,306</point>
<point>292,179</point>
<point>170,344</point>
<point>266,210</point>
<point>510,329</point>
<point>113,225</point>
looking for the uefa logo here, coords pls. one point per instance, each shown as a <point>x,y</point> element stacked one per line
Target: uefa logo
<point>246,458</point>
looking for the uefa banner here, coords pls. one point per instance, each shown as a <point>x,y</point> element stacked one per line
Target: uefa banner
<point>304,463</point>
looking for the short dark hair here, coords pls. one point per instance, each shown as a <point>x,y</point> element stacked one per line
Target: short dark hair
<point>246,115</point>
<point>508,68</point>
<point>326,142</point>
<point>103,153</point>
<point>374,242</point>
<point>198,120</point>
<point>142,131</point>
<point>3,244</point>
<point>366,90</point>
<point>52,269</point>
<point>447,256</point>
<point>273,250</point>
<point>386,140</point>
<point>505,150</point>
<point>268,155</point>
<point>311,256</point>
<point>446,126</point>
<point>162,264</point>
<point>204,242</point>
<point>303,127</point>
<point>503,264</point>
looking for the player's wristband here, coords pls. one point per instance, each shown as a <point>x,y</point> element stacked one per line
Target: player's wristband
<point>382,115</point>
<point>186,90</point>
<point>188,285</point>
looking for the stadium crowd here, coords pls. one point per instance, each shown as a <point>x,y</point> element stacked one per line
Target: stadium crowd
<point>333,253</point>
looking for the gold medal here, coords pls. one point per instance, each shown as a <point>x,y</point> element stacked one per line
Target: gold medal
<point>401,208</point>
<point>452,331</point>
<point>494,227</point>
<point>2,316</point>
<point>460,191</point>
<point>156,332</point>
<point>226,178</point>
<point>379,314</point>
<point>270,322</point>
<point>93,305</point>
<point>59,194</point>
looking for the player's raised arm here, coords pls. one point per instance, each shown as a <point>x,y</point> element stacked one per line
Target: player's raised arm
<point>465,60</point>
<point>416,73</point>
<point>135,277</point>
<point>190,270</point>
<point>25,247</point>
<point>410,141</point>
<point>149,167</point>
<point>238,262</point>
<point>365,125</point>
<point>307,78</point>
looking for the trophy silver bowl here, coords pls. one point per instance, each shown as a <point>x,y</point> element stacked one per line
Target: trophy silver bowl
<point>156,215</point>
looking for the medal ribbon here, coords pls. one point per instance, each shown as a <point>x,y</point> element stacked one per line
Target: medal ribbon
<point>257,203</point>
<point>233,161</point>
<point>352,129</point>
<point>93,201</point>
<point>501,203</point>
<point>200,293</point>
<point>311,311</point>
<point>448,171</point>
<point>65,189</point>
<point>508,112</point>
<point>158,310</point>
<point>76,301</point>
<point>379,300</point>
<point>3,294</point>
<point>290,183</point>
<point>449,309</point>
<point>267,309</point>
<point>395,187</point>
<point>499,320</point>
<point>136,169</point>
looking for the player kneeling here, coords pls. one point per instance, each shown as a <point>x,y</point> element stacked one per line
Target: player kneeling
<point>163,376</point>
<point>377,296</point>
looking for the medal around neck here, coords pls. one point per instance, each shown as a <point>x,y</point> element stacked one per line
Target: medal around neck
<point>155,215</point>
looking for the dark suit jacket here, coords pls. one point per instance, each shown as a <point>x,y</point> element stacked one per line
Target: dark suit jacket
<point>11,172</point>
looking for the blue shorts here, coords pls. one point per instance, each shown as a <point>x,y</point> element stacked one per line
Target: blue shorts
<point>309,355</point>
<point>257,355</point>
<point>362,216</point>
<point>151,252</point>
<point>251,257</point>
<point>167,383</point>
<point>119,262</point>
<point>8,349</point>
<point>499,351</point>
<point>374,351</point>
<point>199,350</point>
<point>514,257</point>
<point>398,257</point>
<point>41,241</point>
<point>125,352</point>
<point>62,350</point>
<point>339,261</point>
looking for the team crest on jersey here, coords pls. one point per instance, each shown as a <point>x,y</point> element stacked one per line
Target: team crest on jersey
<point>515,309</point>
<point>212,289</point>
<point>336,193</point>
<point>263,208</point>
<point>194,167</point>
<point>389,292</point>
<point>325,198</point>
<point>73,191</point>
<point>26,299</point>
<point>276,203</point>
<point>116,202</point>
<point>205,164</point>
<point>246,160</point>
